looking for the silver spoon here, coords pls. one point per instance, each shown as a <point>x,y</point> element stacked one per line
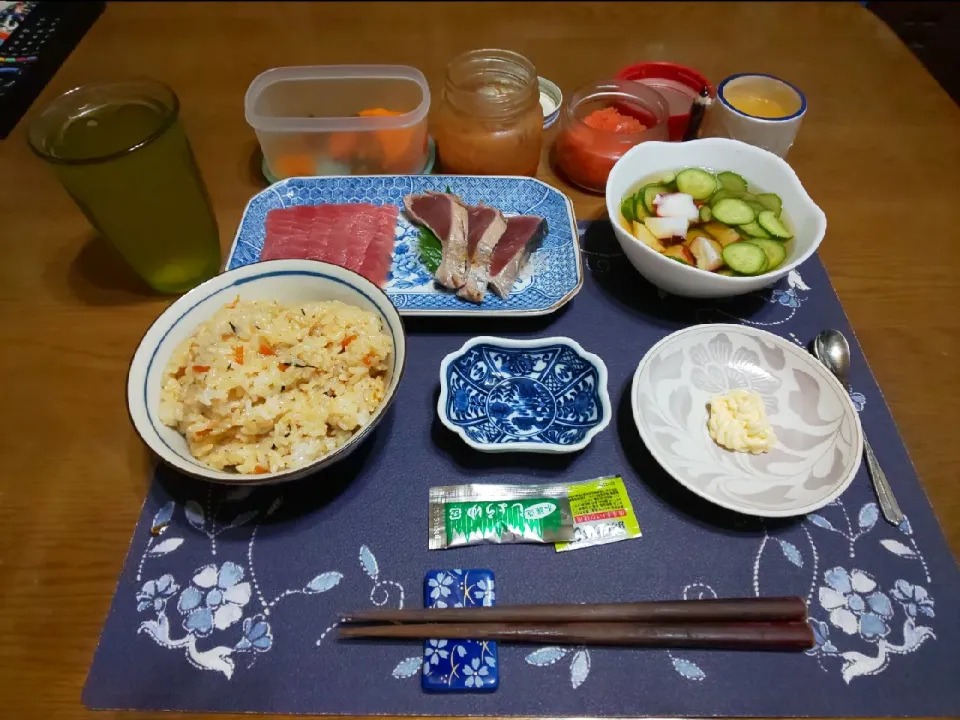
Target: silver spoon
<point>832,349</point>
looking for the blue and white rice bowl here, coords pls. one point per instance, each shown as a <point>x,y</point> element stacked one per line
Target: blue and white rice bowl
<point>285,281</point>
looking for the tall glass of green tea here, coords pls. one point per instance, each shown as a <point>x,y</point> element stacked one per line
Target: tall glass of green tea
<point>120,151</point>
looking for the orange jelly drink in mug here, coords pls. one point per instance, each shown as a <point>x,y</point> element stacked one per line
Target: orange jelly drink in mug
<point>758,109</point>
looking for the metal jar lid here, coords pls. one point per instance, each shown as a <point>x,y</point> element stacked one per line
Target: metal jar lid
<point>550,100</point>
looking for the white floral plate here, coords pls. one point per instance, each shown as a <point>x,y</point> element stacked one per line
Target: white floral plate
<point>819,439</point>
<point>552,277</point>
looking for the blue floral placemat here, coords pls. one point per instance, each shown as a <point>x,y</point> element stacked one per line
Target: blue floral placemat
<point>230,606</point>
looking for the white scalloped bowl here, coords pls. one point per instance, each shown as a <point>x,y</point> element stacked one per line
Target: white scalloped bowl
<point>759,167</point>
<point>287,281</point>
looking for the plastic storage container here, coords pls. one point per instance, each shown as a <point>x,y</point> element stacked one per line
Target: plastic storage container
<point>340,120</point>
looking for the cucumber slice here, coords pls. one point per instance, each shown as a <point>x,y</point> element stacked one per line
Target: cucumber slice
<point>754,230</point>
<point>732,182</point>
<point>745,258</point>
<point>775,251</point>
<point>757,206</point>
<point>734,212</point>
<point>639,211</point>
<point>626,209</point>
<point>771,202</point>
<point>705,214</point>
<point>748,197</point>
<point>772,224</point>
<point>696,183</point>
<point>722,194</point>
<point>665,178</point>
<point>650,193</point>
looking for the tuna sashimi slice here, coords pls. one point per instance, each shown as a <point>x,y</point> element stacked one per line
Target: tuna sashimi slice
<point>351,234</point>
<point>379,257</point>
<point>523,235</point>
<point>485,226</point>
<point>285,240</point>
<point>299,232</point>
<point>446,217</point>
<point>356,236</point>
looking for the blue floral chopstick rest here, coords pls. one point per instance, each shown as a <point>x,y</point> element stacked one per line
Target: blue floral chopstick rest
<point>459,665</point>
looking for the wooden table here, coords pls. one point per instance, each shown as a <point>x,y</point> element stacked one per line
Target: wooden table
<point>879,151</point>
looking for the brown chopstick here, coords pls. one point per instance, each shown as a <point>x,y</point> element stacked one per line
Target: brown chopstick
<point>687,611</point>
<point>704,635</point>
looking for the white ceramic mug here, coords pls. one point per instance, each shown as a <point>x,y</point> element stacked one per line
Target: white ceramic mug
<point>773,134</point>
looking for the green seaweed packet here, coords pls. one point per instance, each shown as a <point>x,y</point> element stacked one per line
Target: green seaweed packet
<point>462,515</point>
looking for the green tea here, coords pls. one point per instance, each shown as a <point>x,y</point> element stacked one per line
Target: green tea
<point>129,166</point>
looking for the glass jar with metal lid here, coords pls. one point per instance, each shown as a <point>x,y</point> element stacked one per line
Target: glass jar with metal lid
<point>490,121</point>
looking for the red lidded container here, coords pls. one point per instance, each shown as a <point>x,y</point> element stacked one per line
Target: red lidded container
<point>678,84</point>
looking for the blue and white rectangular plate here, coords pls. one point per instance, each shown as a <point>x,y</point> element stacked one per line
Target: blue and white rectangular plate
<point>552,277</point>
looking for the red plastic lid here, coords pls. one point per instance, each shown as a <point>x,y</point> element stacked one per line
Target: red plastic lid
<point>678,84</point>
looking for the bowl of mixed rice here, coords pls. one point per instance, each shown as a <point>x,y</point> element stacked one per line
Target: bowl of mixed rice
<point>266,373</point>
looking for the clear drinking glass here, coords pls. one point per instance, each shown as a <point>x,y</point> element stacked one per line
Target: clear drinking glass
<point>120,151</point>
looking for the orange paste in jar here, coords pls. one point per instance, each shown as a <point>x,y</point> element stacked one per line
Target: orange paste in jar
<point>477,146</point>
<point>489,121</point>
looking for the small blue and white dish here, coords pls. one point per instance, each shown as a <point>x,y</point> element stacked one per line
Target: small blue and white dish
<point>544,395</point>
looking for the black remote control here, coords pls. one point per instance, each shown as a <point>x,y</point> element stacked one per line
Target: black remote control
<point>35,51</point>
